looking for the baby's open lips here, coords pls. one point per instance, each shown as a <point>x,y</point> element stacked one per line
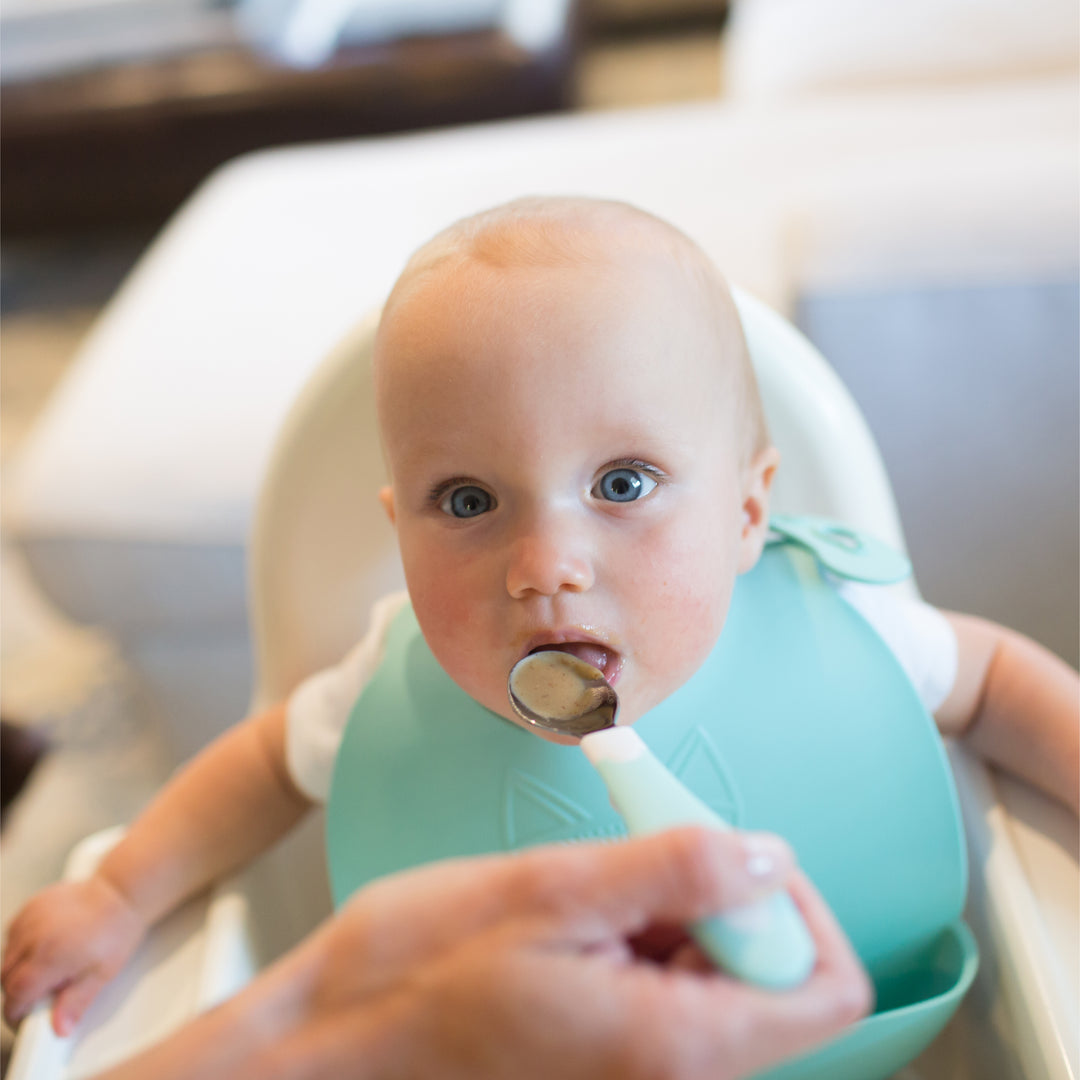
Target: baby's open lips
<point>604,659</point>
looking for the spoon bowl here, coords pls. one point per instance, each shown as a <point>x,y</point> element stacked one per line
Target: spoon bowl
<point>558,692</point>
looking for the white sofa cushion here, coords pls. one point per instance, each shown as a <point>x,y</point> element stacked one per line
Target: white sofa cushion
<point>777,48</point>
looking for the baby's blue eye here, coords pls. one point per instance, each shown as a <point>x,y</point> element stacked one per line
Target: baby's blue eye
<point>466,502</point>
<point>624,485</point>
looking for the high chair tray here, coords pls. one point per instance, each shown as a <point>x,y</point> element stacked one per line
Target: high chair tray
<point>1018,1022</point>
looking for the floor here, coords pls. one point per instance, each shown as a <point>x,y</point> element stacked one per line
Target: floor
<point>69,681</point>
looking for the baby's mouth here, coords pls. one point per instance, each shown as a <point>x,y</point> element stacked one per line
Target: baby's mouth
<point>605,660</point>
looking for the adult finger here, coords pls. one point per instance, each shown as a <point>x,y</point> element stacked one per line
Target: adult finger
<point>717,1019</point>
<point>601,890</point>
<point>673,877</point>
<point>839,990</point>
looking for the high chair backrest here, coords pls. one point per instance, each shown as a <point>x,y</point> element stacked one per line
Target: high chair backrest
<point>322,550</point>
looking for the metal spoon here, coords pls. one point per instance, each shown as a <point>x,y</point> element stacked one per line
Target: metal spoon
<point>766,942</point>
<point>559,692</point>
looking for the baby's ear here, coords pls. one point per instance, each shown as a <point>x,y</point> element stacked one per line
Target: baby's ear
<point>757,487</point>
<point>386,497</point>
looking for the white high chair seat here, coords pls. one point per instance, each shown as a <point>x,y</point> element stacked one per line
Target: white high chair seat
<point>322,552</point>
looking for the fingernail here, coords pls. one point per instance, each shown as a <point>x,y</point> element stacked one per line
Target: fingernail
<point>768,858</point>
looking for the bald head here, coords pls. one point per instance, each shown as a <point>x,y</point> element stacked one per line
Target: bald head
<point>549,233</point>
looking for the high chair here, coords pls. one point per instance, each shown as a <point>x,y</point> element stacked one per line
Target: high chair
<point>322,552</point>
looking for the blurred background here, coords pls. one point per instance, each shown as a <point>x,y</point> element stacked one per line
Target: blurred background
<point>901,180</point>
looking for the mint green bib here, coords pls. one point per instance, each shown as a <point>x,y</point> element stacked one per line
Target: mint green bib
<point>801,722</point>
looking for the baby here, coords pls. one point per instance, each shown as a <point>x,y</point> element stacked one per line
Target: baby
<point>578,459</point>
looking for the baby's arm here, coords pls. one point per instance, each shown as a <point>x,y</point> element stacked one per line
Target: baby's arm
<point>231,802</point>
<point>1017,705</point>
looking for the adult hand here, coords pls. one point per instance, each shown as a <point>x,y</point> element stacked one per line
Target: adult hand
<point>565,961</point>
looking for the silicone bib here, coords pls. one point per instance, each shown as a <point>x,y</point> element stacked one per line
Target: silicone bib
<point>800,722</point>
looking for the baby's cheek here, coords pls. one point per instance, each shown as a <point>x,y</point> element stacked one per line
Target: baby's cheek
<point>449,610</point>
<point>689,622</point>
<point>443,615</point>
<point>687,612</point>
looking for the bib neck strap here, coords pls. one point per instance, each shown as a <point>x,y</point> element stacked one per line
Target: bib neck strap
<point>840,549</point>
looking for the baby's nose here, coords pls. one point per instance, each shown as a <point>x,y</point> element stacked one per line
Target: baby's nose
<point>546,565</point>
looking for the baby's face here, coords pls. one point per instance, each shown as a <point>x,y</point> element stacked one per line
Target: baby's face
<point>565,473</point>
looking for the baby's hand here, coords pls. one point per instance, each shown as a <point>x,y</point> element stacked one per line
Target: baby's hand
<point>68,941</point>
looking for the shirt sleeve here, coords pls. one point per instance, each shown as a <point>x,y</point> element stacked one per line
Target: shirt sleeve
<point>319,708</point>
<point>919,636</point>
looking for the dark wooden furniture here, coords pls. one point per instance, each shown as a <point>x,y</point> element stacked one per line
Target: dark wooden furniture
<point>128,143</point>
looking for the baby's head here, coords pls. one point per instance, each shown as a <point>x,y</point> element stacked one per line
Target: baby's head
<point>577,452</point>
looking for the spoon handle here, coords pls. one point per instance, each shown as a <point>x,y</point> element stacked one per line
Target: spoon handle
<point>765,943</point>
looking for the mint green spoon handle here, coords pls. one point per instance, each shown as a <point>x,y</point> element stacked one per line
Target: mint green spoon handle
<point>765,943</point>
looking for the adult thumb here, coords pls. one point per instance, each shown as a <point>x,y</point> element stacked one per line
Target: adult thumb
<point>676,876</point>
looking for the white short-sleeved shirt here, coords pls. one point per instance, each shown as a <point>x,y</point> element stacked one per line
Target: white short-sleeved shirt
<point>919,635</point>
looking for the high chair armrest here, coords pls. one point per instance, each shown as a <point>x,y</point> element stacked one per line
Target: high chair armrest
<point>1022,903</point>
